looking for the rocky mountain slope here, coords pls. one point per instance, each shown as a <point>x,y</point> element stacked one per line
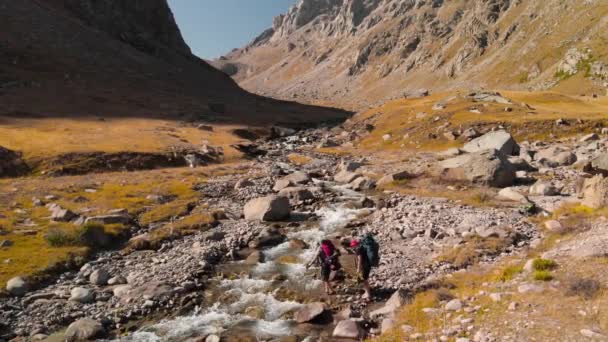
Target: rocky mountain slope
<point>122,58</point>
<point>353,52</point>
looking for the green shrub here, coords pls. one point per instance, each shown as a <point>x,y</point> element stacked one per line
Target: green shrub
<point>90,234</point>
<point>543,275</point>
<point>510,272</point>
<point>544,264</point>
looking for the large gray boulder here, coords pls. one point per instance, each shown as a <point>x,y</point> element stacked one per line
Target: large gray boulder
<point>598,165</point>
<point>310,312</point>
<point>349,166</point>
<point>543,188</point>
<point>346,176</point>
<point>595,192</point>
<point>59,214</point>
<point>84,330</point>
<point>270,208</point>
<point>11,164</point>
<point>17,287</point>
<point>394,177</point>
<point>362,183</point>
<point>99,277</point>
<point>396,301</point>
<point>348,329</point>
<point>81,295</point>
<point>298,177</point>
<point>555,156</point>
<point>489,167</point>
<point>498,140</point>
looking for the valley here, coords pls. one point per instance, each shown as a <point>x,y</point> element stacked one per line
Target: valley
<point>148,195</point>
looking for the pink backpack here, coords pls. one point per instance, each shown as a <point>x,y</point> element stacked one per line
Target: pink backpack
<point>328,249</point>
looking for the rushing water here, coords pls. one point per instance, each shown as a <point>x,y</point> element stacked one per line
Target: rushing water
<point>256,290</point>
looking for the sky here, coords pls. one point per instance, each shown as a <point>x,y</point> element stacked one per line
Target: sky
<point>214,27</point>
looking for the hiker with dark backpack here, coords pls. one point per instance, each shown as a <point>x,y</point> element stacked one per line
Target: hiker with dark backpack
<point>328,258</point>
<point>367,252</point>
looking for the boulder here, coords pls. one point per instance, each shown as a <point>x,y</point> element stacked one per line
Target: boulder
<point>595,192</point>
<point>17,286</point>
<point>490,168</point>
<point>489,96</point>
<point>362,183</point>
<point>84,330</point>
<point>542,188</point>
<point>310,312</point>
<point>141,242</point>
<point>598,165</point>
<point>396,301</point>
<point>348,329</point>
<point>298,178</point>
<point>11,164</point>
<point>498,140</point>
<point>81,295</point>
<point>297,194</point>
<point>109,219</point>
<point>511,194</point>
<point>554,226</point>
<point>453,305</point>
<point>555,156</point>
<point>99,277</point>
<point>59,214</point>
<point>589,137</point>
<point>346,176</point>
<point>349,166</point>
<point>394,177</point>
<point>121,291</point>
<point>281,184</point>
<point>269,208</point>
<point>118,280</point>
<point>280,132</point>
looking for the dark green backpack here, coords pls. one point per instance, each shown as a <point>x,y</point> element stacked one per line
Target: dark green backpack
<point>371,250</point>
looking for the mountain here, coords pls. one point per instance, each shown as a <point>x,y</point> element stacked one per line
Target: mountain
<point>118,58</point>
<point>356,52</point>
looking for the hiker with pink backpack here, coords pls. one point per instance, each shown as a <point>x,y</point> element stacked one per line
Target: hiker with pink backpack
<point>328,259</point>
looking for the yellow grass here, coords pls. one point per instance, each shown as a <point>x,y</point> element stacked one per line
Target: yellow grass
<point>43,138</point>
<point>128,190</point>
<point>298,159</point>
<point>409,132</point>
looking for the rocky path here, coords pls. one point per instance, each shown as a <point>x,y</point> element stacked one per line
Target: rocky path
<point>246,276</point>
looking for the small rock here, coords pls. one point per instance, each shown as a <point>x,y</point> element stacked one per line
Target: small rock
<point>84,330</point>
<point>348,329</point>
<point>453,305</point>
<point>592,334</point>
<point>99,277</point>
<point>81,295</point>
<point>17,286</point>
<point>554,226</point>
<point>496,297</point>
<point>310,312</point>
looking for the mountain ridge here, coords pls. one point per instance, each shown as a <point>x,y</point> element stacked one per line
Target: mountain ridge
<point>365,51</point>
<point>118,58</point>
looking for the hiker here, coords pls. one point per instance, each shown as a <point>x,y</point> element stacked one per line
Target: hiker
<point>327,258</point>
<point>367,256</point>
